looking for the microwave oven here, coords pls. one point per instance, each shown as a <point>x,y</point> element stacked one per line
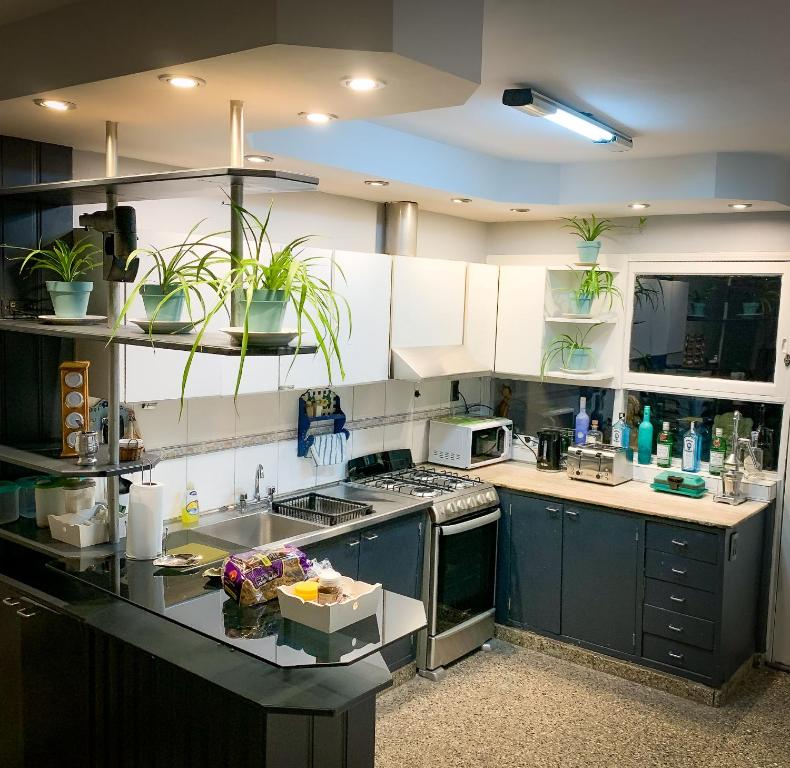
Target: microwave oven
<point>466,442</point>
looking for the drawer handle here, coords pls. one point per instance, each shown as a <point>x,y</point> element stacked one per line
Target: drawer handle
<point>25,613</point>
<point>674,628</point>
<point>679,543</point>
<point>570,513</point>
<point>680,571</point>
<point>673,655</point>
<point>10,602</point>
<point>370,537</point>
<point>553,510</point>
<point>353,543</point>
<point>676,599</point>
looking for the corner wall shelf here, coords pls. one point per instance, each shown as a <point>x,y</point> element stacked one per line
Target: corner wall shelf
<point>581,267</point>
<point>53,465</point>
<point>159,186</point>
<point>211,343</point>
<point>597,376</point>
<point>603,319</point>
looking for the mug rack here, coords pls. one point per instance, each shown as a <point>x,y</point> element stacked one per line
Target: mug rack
<point>310,424</point>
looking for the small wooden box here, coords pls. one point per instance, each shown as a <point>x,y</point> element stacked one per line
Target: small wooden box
<point>75,417</point>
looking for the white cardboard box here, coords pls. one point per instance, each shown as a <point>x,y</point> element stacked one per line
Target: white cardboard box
<point>364,601</point>
<point>78,532</point>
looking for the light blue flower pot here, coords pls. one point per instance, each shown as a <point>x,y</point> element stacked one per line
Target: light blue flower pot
<point>267,310</point>
<point>70,299</point>
<point>579,360</point>
<point>588,251</point>
<point>581,305</point>
<point>171,310</point>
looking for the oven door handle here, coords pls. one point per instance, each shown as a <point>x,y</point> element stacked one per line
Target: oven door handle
<point>469,525</point>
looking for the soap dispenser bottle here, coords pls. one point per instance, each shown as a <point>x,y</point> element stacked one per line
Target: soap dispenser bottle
<point>644,442</point>
<point>692,450</point>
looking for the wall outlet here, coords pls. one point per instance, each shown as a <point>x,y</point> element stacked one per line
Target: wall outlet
<point>455,394</point>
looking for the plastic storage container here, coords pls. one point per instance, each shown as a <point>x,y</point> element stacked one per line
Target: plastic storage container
<point>9,501</point>
<point>49,501</point>
<point>27,495</point>
<point>681,483</point>
<point>78,495</point>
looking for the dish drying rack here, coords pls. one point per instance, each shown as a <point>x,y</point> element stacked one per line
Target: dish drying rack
<point>325,424</point>
<point>323,510</point>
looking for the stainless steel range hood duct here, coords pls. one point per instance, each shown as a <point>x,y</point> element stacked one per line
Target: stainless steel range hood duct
<point>400,228</point>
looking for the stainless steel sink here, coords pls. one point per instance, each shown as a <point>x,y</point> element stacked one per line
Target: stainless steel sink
<point>256,528</point>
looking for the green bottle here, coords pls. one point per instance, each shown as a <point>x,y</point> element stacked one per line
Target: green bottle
<point>664,447</point>
<point>718,450</point>
<point>644,441</point>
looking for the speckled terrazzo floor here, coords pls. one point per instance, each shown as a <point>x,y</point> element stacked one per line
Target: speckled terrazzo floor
<point>514,707</point>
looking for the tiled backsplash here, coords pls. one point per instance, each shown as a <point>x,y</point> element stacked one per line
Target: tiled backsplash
<point>217,444</point>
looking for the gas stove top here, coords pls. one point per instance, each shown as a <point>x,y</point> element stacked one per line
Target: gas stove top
<point>453,495</point>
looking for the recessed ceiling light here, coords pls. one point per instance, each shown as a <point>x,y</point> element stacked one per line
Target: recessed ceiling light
<point>319,118</point>
<point>519,210</point>
<point>258,158</point>
<point>638,206</point>
<point>57,104</point>
<point>460,200</point>
<point>740,206</point>
<point>376,183</point>
<point>182,81</point>
<point>362,83</point>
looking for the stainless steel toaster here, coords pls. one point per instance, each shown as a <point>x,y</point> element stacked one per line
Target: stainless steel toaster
<point>598,463</point>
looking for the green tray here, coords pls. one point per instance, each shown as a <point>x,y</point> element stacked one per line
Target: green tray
<point>680,483</point>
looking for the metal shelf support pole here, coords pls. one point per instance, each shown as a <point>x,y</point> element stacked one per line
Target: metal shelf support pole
<point>236,192</point>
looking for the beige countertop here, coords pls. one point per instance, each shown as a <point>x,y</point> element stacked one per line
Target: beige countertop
<point>631,496</point>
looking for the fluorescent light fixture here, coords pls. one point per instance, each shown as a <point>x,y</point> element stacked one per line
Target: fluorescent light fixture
<point>638,206</point>
<point>185,82</point>
<point>377,183</point>
<point>539,105</point>
<point>258,158</point>
<point>460,200</point>
<point>740,206</point>
<point>362,83</point>
<point>319,118</point>
<point>58,105</point>
<point>519,210</point>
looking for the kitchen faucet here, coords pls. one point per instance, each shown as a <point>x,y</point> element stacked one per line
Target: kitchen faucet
<point>258,478</point>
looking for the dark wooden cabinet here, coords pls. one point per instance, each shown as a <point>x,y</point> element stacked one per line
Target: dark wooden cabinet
<point>599,577</point>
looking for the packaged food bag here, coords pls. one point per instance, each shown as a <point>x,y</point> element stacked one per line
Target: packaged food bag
<point>252,577</point>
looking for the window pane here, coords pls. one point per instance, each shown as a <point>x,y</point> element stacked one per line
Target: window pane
<point>679,410</point>
<point>723,326</point>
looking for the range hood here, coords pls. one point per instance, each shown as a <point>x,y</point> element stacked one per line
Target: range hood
<point>417,363</point>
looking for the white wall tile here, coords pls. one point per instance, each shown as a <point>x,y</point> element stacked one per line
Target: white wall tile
<point>346,395</point>
<point>399,397</point>
<point>434,393</point>
<point>397,435</point>
<point>419,440</point>
<point>173,474</point>
<point>210,418</point>
<point>246,462</point>
<point>288,411</point>
<point>293,473</point>
<point>365,441</point>
<point>161,425</point>
<point>369,400</point>
<point>212,476</point>
<point>257,413</point>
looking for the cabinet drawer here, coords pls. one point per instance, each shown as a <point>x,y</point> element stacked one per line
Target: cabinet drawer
<point>681,570</point>
<point>698,545</point>
<point>678,655</point>
<point>677,626</point>
<point>675,597</point>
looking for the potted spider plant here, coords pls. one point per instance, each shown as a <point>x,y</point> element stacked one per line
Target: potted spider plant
<point>574,352</point>
<point>68,262</point>
<point>595,283</point>
<point>588,231</point>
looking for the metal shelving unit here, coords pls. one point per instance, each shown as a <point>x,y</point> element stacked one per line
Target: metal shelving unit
<point>53,465</point>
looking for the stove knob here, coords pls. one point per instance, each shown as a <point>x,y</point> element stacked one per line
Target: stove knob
<point>480,498</point>
<point>491,496</point>
<point>461,504</point>
<point>450,507</point>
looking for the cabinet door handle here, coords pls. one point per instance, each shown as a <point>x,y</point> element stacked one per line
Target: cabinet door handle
<point>553,510</point>
<point>370,537</point>
<point>10,602</point>
<point>570,513</point>
<point>673,655</point>
<point>674,628</point>
<point>679,571</point>
<point>25,613</point>
<point>676,599</point>
<point>353,543</point>
<point>679,543</point>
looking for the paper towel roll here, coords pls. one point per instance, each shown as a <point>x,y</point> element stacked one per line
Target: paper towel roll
<point>145,521</point>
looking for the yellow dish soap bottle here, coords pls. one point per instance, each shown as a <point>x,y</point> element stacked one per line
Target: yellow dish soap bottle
<point>190,514</point>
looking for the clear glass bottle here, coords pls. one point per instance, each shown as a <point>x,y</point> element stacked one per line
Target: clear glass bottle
<point>582,423</point>
<point>692,450</point>
<point>664,447</point>
<point>644,443</point>
<point>594,435</point>
<point>718,452</point>
<point>621,436</point>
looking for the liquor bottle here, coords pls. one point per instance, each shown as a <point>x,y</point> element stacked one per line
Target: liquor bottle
<point>621,436</point>
<point>594,435</point>
<point>582,422</point>
<point>664,447</point>
<point>692,450</point>
<point>718,450</point>
<point>644,444</point>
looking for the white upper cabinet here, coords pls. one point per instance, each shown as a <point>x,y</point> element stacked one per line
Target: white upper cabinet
<point>480,321</point>
<point>519,334</point>
<point>428,300</point>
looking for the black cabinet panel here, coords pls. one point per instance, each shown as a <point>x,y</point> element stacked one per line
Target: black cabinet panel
<point>536,562</point>
<point>599,577</point>
<point>679,655</point>
<point>679,627</point>
<point>682,570</point>
<point>675,597</point>
<point>342,552</point>
<point>688,542</point>
<point>391,554</point>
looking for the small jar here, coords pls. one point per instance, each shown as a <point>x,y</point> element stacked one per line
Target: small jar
<point>49,500</point>
<point>78,494</point>
<point>27,495</point>
<point>330,587</point>
<point>9,501</point>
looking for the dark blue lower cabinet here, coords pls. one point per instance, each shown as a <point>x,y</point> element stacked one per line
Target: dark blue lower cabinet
<point>342,552</point>
<point>535,578</point>
<point>599,577</point>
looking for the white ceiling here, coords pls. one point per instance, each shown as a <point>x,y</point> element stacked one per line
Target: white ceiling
<point>681,76</point>
<point>16,10</point>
